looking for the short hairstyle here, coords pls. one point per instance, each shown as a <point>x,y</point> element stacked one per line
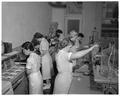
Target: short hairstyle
<point>58,32</point>
<point>80,35</point>
<point>63,43</point>
<point>28,46</point>
<point>37,35</point>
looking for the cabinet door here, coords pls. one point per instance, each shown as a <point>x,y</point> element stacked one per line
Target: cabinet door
<point>22,87</point>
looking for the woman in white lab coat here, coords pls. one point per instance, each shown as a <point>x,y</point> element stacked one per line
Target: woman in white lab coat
<point>64,66</point>
<point>47,65</point>
<point>76,40</point>
<point>33,69</point>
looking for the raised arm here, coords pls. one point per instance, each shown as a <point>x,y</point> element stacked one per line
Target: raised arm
<point>80,54</point>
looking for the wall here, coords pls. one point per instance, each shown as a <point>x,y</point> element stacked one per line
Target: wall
<point>21,20</point>
<point>92,13</point>
<point>98,18</point>
<point>58,15</point>
<point>88,20</point>
<point>91,17</point>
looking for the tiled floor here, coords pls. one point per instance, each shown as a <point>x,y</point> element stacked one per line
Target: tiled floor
<point>81,85</point>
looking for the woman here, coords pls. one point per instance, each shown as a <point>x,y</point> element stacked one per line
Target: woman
<point>47,66</point>
<point>73,36</point>
<point>64,66</point>
<point>80,37</point>
<point>76,38</point>
<point>59,34</point>
<point>33,69</point>
<point>78,43</point>
<point>58,38</point>
<point>36,46</point>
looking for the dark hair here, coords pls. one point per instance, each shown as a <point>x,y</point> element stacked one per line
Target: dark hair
<point>37,35</point>
<point>58,32</point>
<point>80,35</point>
<point>47,38</point>
<point>35,42</point>
<point>28,45</point>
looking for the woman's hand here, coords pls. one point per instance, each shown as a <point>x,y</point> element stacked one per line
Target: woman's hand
<point>96,46</point>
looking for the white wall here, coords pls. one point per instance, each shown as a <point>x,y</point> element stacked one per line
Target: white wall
<point>58,15</point>
<point>92,15</point>
<point>22,19</point>
<point>88,20</point>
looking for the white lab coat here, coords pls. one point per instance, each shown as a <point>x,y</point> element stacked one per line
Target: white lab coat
<point>35,78</point>
<point>64,76</point>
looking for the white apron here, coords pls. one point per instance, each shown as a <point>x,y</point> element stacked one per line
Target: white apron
<point>64,76</point>
<point>47,65</point>
<point>35,78</point>
<point>62,83</point>
<point>35,83</point>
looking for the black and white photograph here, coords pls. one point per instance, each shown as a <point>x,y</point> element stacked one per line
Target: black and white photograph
<point>59,47</point>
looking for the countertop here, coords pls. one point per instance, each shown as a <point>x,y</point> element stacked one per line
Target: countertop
<point>80,83</point>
